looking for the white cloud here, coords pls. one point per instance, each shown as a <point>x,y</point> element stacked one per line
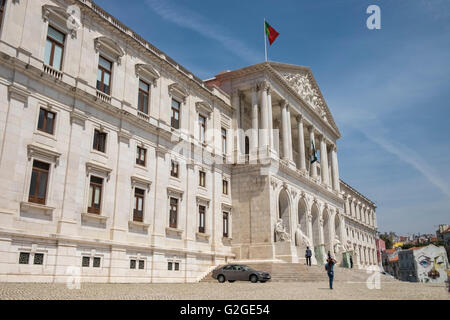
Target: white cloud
<point>191,20</point>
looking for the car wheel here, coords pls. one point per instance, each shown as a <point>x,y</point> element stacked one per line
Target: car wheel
<point>253,278</point>
<point>221,278</point>
<point>231,281</point>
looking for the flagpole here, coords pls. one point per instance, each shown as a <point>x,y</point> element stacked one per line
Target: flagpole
<point>265,40</point>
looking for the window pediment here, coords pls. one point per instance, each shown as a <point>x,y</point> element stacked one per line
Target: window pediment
<point>177,90</point>
<point>98,168</point>
<point>177,193</point>
<point>202,200</point>
<point>109,47</point>
<point>138,180</point>
<point>226,207</point>
<point>147,72</point>
<point>43,151</point>
<point>203,107</point>
<point>61,17</point>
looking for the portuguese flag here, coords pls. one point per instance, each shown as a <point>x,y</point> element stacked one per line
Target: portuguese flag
<point>271,33</point>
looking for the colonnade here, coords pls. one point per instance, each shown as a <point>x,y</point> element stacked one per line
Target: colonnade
<point>262,139</point>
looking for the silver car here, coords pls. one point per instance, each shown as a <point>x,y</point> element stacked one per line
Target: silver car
<point>233,272</point>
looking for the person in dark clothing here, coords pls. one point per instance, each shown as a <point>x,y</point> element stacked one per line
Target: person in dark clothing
<point>329,267</point>
<point>351,262</point>
<point>308,256</point>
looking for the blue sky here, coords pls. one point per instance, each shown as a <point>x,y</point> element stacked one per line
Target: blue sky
<point>388,89</point>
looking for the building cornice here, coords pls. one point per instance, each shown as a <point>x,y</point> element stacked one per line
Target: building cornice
<point>357,193</point>
<point>91,8</point>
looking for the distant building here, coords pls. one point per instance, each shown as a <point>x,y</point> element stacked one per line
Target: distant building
<point>423,264</point>
<point>390,261</point>
<point>443,234</point>
<point>398,244</point>
<point>381,246</point>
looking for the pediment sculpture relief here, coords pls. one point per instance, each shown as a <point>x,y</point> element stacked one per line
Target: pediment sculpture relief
<point>307,89</point>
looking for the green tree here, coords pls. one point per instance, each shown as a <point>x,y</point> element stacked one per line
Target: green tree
<point>387,240</point>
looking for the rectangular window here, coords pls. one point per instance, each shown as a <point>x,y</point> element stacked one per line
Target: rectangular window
<point>224,186</point>
<point>202,128</point>
<point>141,264</point>
<point>224,141</point>
<point>24,258</point>
<point>46,121</point>
<point>169,266</point>
<point>38,184</point>
<point>174,169</point>
<point>201,222</point>
<point>132,264</point>
<point>104,75</point>
<point>175,120</point>
<point>177,266</point>
<point>143,98</point>
<point>95,195</point>
<point>99,141</point>
<point>38,258</point>
<point>225,224</point>
<point>202,179</point>
<point>141,156</point>
<point>96,262</point>
<point>138,214</point>
<point>173,213</point>
<point>85,261</point>
<point>54,48</point>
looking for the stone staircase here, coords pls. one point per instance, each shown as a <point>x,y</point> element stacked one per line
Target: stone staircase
<point>297,272</point>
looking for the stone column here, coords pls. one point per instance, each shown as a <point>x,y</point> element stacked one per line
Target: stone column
<point>269,108</point>
<point>240,134</point>
<point>347,205</point>
<point>263,134</point>
<point>324,161</point>
<point>310,229</point>
<point>255,127</point>
<point>301,143</point>
<point>358,210</point>
<point>312,141</point>
<point>236,151</point>
<point>74,181</point>
<point>321,233</point>
<point>335,169</point>
<point>284,125</point>
<point>374,219</point>
<point>291,158</point>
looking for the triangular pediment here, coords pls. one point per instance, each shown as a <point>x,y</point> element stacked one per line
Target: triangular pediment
<point>302,81</point>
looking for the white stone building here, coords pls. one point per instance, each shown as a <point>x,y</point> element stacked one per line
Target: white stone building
<point>119,165</point>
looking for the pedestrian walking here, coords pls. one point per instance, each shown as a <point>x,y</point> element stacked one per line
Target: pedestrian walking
<point>308,255</point>
<point>351,262</point>
<point>329,267</point>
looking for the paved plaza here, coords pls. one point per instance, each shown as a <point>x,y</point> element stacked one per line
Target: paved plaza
<point>226,291</point>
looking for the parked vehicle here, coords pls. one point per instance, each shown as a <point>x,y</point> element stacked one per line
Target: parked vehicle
<point>233,272</point>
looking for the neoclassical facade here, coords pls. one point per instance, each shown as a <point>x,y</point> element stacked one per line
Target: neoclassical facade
<point>119,165</point>
<point>282,119</point>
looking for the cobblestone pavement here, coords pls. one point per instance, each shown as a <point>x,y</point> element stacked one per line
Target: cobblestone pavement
<point>225,291</point>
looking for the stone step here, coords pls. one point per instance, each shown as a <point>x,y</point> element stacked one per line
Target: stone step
<point>296,272</point>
